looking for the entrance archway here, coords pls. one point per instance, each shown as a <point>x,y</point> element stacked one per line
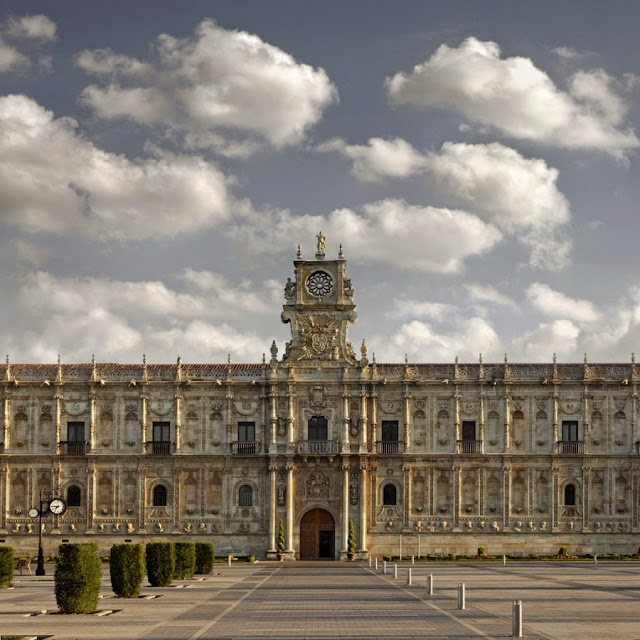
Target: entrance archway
<point>317,535</point>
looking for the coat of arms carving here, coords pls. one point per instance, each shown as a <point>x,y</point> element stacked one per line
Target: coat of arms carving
<point>317,397</point>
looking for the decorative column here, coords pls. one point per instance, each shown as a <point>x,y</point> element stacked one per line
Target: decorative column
<point>179,399</point>
<point>273,503</point>
<point>176,498</point>
<point>345,508</point>
<point>91,497</point>
<point>634,418</point>
<point>58,397</point>
<point>554,496</point>
<point>457,419</point>
<point>407,420</point>
<point>291,494</point>
<point>92,420</point>
<point>4,496</point>
<point>374,419</point>
<point>408,493</point>
<point>483,397</point>
<point>142,498</point>
<point>455,503</point>
<point>586,486</point>
<point>363,421</point>
<point>556,411</point>
<point>6,422</point>
<point>144,398</point>
<point>229,398</point>
<point>345,448</point>
<point>290,421</point>
<point>507,421</point>
<point>506,495</point>
<point>364,497</point>
<point>273,418</point>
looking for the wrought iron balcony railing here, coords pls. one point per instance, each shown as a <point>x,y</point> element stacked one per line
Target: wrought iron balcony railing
<point>73,448</point>
<point>469,446</point>
<point>159,448</point>
<point>244,448</point>
<point>318,447</point>
<point>389,447</point>
<point>571,447</point>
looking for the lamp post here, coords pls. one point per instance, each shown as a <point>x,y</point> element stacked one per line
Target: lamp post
<point>48,504</point>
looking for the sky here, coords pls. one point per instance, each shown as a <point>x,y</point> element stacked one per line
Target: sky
<point>161,161</point>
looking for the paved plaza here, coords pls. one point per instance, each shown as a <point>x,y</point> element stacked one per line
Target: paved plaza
<point>563,600</point>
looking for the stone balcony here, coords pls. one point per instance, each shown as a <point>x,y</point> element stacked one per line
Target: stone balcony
<point>389,447</point>
<point>159,448</point>
<point>73,448</point>
<point>317,447</point>
<point>469,446</point>
<point>571,447</point>
<point>245,448</point>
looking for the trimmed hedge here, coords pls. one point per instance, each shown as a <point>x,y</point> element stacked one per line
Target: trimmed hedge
<point>185,560</point>
<point>6,567</point>
<point>127,569</point>
<point>161,562</point>
<point>77,578</point>
<point>204,557</point>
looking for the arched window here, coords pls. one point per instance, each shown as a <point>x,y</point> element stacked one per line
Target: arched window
<point>245,496</point>
<point>160,496</point>
<point>389,495</point>
<point>74,496</point>
<point>570,495</point>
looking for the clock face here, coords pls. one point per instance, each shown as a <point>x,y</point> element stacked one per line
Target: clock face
<point>319,284</point>
<point>57,506</point>
<point>33,512</point>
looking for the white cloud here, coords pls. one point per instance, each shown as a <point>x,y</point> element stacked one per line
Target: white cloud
<point>518,195</point>
<point>30,253</point>
<point>539,345</point>
<point>406,308</point>
<point>10,57</point>
<point>513,96</point>
<point>389,232</point>
<point>488,293</point>
<point>557,305</point>
<point>54,180</point>
<point>31,27</point>
<point>379,158</point>
<point>228,82</point>
<point>113,319</point>
<point>463,337</point>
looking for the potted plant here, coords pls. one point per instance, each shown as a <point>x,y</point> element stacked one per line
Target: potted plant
<point>351,541</point>
<point>281,544</point>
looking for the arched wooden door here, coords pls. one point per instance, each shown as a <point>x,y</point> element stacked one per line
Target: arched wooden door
<point>317,536</point>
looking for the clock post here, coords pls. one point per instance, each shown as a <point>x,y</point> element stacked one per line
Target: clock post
<point>48,504</point>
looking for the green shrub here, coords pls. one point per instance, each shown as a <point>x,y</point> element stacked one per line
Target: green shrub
<point>351,540</point>
<point>77,578</point>
<point>281,541</point>
<point>161,562</point>
<point>251,559</point>
<point>185,564</point>
<point>6,567</point>
<point>482,551</point>
<point>127,569</point>
<point>563,551</point>
<point>204,557</point>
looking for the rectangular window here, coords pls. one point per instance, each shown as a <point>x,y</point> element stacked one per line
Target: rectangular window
<point>389,431</point>
<point>570,430</point>
<point>246,431</point>
<point>75,431</point>
<point>468,429</point>
<point>161,432</point>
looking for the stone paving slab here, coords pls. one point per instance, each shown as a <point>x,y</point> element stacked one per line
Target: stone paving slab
<point>327,600</point>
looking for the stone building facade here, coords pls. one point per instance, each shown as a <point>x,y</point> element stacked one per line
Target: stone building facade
<point>422,458</point>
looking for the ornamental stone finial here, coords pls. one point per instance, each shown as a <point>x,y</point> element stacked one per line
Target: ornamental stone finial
<point>506,360</point>
<point>364,349</point>
<point>8,371</point>
<point>59,378</point>
<point>340,254</point>
<point>228,358</point>
<point>480,358</point>
<point>633,358</point>
<point>321,242</point>
<point>555,359</point>
<point>299,254</point>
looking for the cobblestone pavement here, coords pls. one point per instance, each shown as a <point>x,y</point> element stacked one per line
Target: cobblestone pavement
<point>561,600</point>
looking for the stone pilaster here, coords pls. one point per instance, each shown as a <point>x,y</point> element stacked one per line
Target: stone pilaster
<point>6,422</point>
<point>407,420</point>
<point>345,448</point>
<point>178,443</point>
<point>291,503</point>
<point>92,420</point>
<point>345,507</point>
<point>144,399</point>
<point>363,421</point>
<point>273,505</point>
<point>364,498</point>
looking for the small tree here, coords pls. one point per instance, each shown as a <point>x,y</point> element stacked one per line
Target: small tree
<point>185,560</point>
<point>563,551</point>
<point>77,578</point>
<point>482,551</point>
<point>204,557</point>
<point>127,569</point>
<point>351,540</point>
<point>6,567</point>
<point>161,563</point>
<point>281,543</point>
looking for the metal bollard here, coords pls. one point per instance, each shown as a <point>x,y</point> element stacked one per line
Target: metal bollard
<point>413,559</point>
<point>430,584</point>
<point>376,564</point>
<point>504,559</point>
<point>229,560</point>
<point>384,566</point>
<point>595,558</point>
<point>461,599</point>
<point>409,577</point>
<point>369,562</point>
<point>517,619</point>
<point>395,571</point>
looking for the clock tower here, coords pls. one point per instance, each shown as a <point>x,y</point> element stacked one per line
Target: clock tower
<point>319,306</point>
